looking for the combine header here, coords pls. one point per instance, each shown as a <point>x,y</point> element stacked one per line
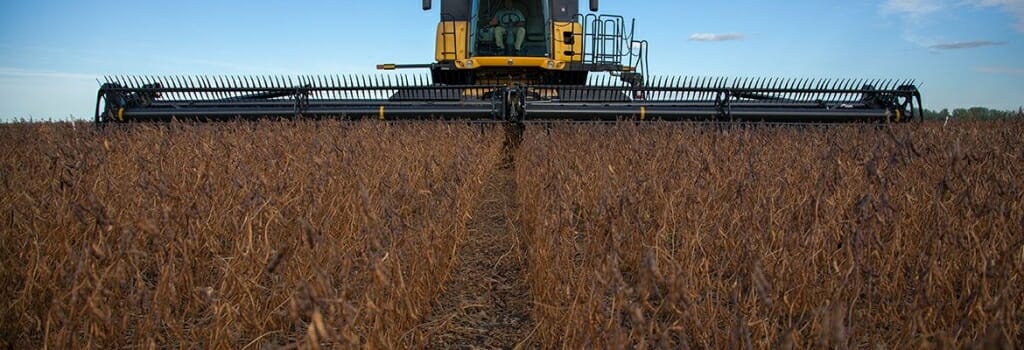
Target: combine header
<point>513,61</point>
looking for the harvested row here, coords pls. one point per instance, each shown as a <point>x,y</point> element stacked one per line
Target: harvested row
<point>692,236</point>
<point>231,235</point>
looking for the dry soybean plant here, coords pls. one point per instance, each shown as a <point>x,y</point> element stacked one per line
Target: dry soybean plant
<point>665,236</point>
<point>233,235</point>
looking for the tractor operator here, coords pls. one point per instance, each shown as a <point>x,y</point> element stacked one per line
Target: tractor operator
<point>511,17</point>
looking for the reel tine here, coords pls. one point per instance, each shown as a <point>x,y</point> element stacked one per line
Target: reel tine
<point>757,85</point>
<point>229,84</point>
<point>336,84</point>
<point>155,82</point>
<point>796,87</point>
<point>815,85</point>
<point>836,85</point>
<point>189,86</point>
<point>813,90</point>
<point>687,83</point>
<point>329,85</point>
<point>208,92</point>
<point>218,84</point>
<point>322,82</point>
<point>367,81</point>
<point>676,95</point>
<point>856,86</point>
<point>256,82</point>
<point>351,86</point>
<point>378,82</point>
<point>204,86</point>
<point>699,89</point>
<point>215,85</point>
<point>827,86</point>
<point>174,83</point>
<point>808,88</point>
<point>827,93</point>
<point>789,86</point>
<point>806,94</point>
<point>733,84</point>
<point>245,83</point>
<point>692,92</point>
<point>210,82</point>
<point>135,81</point>
<point>360,84</point>
<point>344,86</point>
<point>773,87</point>
<point>403,82</point>
<point>710,87</point>
<point>221,84</point>
<point>660,86</point>
<point>841,89</point>
<point>234,82</point>
<point>687,87</point>
<point>198,88</point>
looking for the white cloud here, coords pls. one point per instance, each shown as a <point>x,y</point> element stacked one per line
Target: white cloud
<point>24,73</point>
<point>911,7</point>
<point>706,37</point>
<point>960,45</point>
<point>920,8</point>
<point>1013,7</point>
<point>1000,70</point>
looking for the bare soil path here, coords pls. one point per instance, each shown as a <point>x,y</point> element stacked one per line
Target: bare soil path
<point>486,303</point>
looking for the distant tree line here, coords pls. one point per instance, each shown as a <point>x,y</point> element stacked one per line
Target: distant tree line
<point>973,113</point>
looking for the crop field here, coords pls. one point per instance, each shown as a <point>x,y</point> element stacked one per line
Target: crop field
<point>375,235</point>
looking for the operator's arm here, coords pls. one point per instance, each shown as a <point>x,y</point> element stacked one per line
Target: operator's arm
<point>521,23</point>
<point>496,21</point>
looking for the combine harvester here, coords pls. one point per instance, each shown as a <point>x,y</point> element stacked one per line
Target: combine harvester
<point>567,66</point>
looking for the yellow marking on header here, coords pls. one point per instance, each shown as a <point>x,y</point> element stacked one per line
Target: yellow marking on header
<point>899,115</point>
<point>380,114</point>
<point>120,114</point>
<point>643,112</point>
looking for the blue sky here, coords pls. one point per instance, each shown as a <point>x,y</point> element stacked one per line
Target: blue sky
<point>963,52</point>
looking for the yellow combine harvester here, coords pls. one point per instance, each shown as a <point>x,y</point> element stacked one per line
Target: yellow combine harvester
<point>514,61</point>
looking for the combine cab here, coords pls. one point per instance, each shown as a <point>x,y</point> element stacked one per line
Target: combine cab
<point>513,61</point>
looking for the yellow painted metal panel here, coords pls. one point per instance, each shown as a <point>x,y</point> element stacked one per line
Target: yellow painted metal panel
<point>451,41</point>
<point>559,30</point>
<point>509,61</point>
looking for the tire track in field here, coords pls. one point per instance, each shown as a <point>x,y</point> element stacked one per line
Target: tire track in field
<point>485,303</point>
